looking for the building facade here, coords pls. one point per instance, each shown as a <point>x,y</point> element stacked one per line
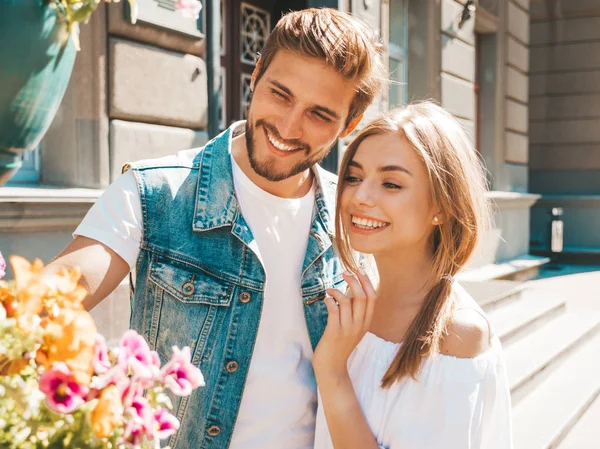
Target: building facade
<point>169,83</point>
<point>564,117</point>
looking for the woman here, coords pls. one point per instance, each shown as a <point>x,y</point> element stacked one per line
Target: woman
<point>412,363</point>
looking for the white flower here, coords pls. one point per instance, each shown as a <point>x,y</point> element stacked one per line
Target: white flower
<point>189,8</point>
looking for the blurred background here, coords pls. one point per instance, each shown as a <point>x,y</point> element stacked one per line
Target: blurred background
<point>522,76</point>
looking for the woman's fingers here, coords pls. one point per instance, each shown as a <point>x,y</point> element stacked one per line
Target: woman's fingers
<point>359,298</point>
<point>333,317</point>
<point>344,305</point>
<point>367,286</point>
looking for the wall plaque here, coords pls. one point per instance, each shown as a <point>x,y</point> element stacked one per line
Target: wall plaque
<point>163,14</point>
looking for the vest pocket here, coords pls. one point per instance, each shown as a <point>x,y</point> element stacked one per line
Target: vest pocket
<point>189,284</point>
<point>188,302</point>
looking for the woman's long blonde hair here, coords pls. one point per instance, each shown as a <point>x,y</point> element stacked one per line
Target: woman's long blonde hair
<point>458,185</point>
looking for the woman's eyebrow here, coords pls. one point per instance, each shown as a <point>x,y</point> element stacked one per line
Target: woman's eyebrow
<point>385,168</point>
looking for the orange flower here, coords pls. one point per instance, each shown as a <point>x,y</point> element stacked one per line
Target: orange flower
<point>69,293</point>
<point>107,413</point>
<point>9,367</point>
<point>6,293</point>
<point>70,337</point>
<point>30,293</point>
<point>25,273</point>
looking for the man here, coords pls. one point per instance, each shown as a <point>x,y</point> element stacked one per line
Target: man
<point>231,243</point>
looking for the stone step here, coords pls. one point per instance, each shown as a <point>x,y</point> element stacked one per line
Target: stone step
<point>523,268</point>
<point>533,358</point>
<point>524,316</point>
<point>547,414</point>
<point>491,295</point>
<point>584,434</point>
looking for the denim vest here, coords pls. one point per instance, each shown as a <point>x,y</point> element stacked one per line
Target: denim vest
<point>198,283</point>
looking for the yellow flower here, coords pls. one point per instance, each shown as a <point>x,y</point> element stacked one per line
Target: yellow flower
<point>107,413</point>
<point>70,337</point>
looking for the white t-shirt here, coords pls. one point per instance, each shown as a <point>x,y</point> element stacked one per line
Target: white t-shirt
<point>456,403</point>
<point>279,402</point>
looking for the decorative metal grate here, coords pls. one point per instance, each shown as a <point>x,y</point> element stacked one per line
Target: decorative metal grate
<point>255,27</point>
<point>246,94</point>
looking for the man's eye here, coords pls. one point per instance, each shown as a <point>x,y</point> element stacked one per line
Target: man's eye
<point>279,94</point>
<point>321,117</point>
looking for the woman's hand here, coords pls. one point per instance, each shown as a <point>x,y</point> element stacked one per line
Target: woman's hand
<point>348,322</point>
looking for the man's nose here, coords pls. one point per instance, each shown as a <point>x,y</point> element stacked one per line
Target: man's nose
<point>290,126</point>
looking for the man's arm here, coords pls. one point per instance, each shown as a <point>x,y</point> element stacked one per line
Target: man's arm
<point>102,269</point>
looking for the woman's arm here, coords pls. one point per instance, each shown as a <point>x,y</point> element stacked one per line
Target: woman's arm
<point>346,421</point>
<point>348,321</point>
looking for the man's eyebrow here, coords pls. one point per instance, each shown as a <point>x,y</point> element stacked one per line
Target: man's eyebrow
<point>281,87</point>
<point>385,168</point>
<point>321,108</point>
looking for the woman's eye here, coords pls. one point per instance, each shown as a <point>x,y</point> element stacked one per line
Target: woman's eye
<point>351,179</point>
<point>392,186</point>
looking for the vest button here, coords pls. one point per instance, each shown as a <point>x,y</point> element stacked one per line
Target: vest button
<point>188,289</point>
<point>213,430</point>
<point>232,367</point>
<point>245,297</point>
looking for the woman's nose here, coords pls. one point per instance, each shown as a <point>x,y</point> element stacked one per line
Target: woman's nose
<point>363,195</point>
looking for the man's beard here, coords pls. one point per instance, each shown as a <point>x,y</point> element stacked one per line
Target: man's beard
<point>267,168</point>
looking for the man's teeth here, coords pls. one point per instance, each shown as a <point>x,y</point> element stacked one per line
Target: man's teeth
<point>279,145</point>
<point>366,223</point>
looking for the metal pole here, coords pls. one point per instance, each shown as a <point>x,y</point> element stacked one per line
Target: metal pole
<point>213,63</point>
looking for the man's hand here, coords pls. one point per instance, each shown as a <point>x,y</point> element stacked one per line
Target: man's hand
<point>102,270</point>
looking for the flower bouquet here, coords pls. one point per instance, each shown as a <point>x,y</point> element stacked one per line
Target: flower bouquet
<point>61,387</point>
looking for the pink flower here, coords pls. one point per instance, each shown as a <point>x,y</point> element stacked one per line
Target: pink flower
<point>141,409</point>
<point>180,376</point>
<point>100,362</point>
<point>117,377</point>
<point>134,433</point>
<point>140,420</point>
<point>165,424</point>
<point>63,393</point>
<point>189,8</point>
<point>2,266</point>
<point>134,347</point>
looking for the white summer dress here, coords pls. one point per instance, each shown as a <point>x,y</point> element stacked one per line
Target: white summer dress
<point>457,403</point>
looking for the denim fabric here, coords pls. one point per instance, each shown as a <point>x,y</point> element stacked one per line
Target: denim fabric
<point>198,284</point>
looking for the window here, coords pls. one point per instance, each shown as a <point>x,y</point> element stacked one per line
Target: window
<point>398,52</point>
<point>29,173</point>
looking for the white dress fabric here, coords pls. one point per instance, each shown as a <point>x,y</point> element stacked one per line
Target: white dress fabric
<point>456,403</point>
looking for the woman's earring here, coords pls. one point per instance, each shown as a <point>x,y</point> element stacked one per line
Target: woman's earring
<point>436,220</point>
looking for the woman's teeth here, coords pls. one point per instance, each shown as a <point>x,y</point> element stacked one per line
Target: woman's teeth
<point>279,145</point>
<point>367,223</point>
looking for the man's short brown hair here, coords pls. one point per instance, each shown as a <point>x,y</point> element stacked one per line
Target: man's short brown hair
<point>347,44</point>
